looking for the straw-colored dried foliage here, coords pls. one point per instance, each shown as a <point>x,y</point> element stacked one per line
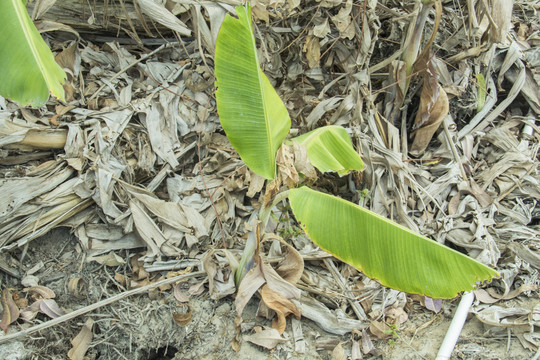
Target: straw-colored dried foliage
<point>135,164</point>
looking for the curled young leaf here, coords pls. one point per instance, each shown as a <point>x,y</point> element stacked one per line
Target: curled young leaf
<point>250,110</point>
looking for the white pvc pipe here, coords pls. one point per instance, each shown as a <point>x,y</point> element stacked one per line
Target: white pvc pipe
<point>456,325</point>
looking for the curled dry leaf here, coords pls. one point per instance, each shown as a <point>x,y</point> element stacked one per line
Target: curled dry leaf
<point>490,296</point>
<point>255,185</point>
<point>40,292</point>
<point>78,288</point>
<point>179,294</point>
<point>81,342</point>
<point>183,318</point>
<point>433,109</point>
<point>267,338</point>
<point>292,266</point>
<point>11,311</point>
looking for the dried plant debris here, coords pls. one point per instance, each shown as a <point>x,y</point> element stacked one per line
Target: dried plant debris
<point>136,164</point>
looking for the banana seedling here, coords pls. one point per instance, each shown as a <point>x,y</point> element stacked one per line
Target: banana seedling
<point>257,123</point>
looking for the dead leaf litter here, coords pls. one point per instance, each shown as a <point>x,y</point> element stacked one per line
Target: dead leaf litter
<point>136,166</point>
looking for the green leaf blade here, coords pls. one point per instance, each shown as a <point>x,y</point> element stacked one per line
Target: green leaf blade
<point>251,112</point>
<point>330,148</point>
<point>28,69</point>
<point>381,249</point>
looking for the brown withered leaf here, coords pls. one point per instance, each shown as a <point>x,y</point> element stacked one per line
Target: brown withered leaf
<point>139,273</point>
<point>380,329</point>
<point>110,259</point>
<point>431,113</point>
<point>11,311</point>
<point>81,342</point>
<point>278,284</point>
<point>281,305</point>
<point>183,318</point>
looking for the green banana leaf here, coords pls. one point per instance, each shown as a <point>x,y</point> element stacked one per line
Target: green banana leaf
<point>28,70</point>
<point>394,255</point>
<point>330,148</point>
<point>251,112</point>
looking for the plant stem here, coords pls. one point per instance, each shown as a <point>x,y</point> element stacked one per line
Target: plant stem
<point>248,255</point>
<point>266,209</point>
<point>252,243</point>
